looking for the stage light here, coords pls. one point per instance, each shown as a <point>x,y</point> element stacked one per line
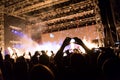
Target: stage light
<point>15,32</point>
<point>72,41</point>
<point>18,33</point>
<point>12,31</point>
<point>51,35</point>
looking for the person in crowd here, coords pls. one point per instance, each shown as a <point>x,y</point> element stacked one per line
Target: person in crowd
<point>8,63</point>
<point>20,69</point>
<point>1,75</point>
<point>41,72</point>
<point>1,59</point>
<point>44,58</point>
<point>34,59</point>
<point>77,61</point>
<point>96,64</point>
<point>52,57</point>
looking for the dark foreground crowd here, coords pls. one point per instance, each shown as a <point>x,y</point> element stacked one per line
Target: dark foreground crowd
<point>100,64</point>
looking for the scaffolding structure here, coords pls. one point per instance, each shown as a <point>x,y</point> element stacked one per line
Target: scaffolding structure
<point>2,27</point>
<point>72,15</point>
<point>99,28</point>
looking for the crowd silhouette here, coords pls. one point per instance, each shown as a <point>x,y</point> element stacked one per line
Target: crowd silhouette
<point>97,64</point>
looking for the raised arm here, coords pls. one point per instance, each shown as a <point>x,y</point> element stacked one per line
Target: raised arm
<point>59,54</point>
<point>80,42</point>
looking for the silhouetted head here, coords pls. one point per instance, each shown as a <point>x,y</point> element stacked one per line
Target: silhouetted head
<point>77,59</point>
<point>20,59</point>
<point>7,56</point>
<point>41,72</point>
<point>36,53</point>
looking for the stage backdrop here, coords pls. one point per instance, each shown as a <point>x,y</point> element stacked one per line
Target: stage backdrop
<point>88,32</point>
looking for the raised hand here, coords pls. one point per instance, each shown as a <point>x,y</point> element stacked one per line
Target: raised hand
<point>80,42</point>
<point>66,41</point>
<point>60,53</point>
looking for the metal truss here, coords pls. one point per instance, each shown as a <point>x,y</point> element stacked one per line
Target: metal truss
<point>28,6</point>
<point>2,27</point>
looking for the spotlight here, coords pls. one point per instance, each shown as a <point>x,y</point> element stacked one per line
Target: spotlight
<point>12,31</point>
<point>51,35</point>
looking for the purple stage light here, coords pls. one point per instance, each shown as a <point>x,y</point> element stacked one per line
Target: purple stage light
<point>18,33</point>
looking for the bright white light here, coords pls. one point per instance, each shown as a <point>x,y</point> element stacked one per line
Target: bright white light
<point>50,46</point>
<point>18,52</point>
<point>10,51</point>
<point>27,55</point>
<point>51,35</point>
<point>72,41</point>
<point>49,53</point>
<point>65,54</point>
<point>72,44</point>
